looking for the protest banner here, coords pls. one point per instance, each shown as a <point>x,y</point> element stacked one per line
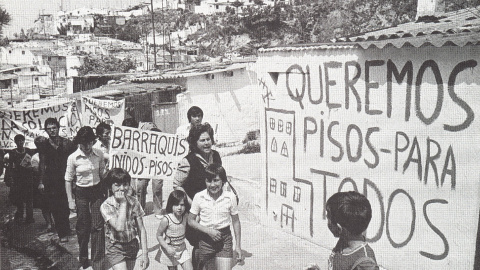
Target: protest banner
<point>146,154</point>
<point>29,122</point>
<point>94,111</point>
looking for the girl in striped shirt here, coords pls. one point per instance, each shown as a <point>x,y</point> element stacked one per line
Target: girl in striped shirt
<point>171,232</point>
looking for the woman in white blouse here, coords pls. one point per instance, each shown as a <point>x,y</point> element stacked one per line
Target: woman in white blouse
<point>87,166</point>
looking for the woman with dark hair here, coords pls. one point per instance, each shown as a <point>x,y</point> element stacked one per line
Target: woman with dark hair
<point>190,175</point>
<point>87,166</point>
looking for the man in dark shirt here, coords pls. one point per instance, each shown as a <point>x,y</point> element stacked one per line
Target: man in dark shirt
<point>52,166</point>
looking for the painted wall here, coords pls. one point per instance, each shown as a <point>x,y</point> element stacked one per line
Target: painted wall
<point>399,125</point>
<point>230,104</point>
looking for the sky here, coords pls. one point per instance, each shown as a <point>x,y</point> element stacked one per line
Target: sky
<point>24,12</point>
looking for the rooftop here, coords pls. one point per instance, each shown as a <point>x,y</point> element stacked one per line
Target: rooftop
<point>190,71</point>
<point>456,28</point>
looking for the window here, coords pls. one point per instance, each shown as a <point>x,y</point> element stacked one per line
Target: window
<point>36,79</point>
<point>49,58</point>
<point>296,194</point>
<point>23,52</point>
<point>32,69</point>
<point>9,51</point>
<point>272,123</point>
<point>15,81</point>
<point>273,185</point>
<point>283,189</point>
<point>287,218</point>
<point>216,6</point>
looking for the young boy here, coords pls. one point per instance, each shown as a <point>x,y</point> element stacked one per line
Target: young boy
<point>20,175</point>
<point>349,214</point>
<point>124,217</point>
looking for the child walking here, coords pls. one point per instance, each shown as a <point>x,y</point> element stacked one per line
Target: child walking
<point>349,214</point>
<point>124,217</point>
<point>171,232</point>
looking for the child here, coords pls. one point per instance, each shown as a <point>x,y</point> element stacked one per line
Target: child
<point>349,214</point>
<point>171,232</point>
<point>124,217</point>
<point>19,175</point>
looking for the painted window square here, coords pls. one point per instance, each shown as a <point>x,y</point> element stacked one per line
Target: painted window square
<point>288,128</point>
<point>283,189</point>
<point>273,185</point>
<point>296,194</point>
<point>272,123</point>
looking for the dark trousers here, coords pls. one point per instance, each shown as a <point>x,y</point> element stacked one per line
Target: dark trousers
<point>90,224</point>
<point>58,204</point>
<point>21,195</point>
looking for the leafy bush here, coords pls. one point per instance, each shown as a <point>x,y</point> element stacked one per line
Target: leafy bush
<point>252,135</point>
<point>250,148</point>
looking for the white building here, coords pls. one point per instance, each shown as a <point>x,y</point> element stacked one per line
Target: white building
<point>226,96</point>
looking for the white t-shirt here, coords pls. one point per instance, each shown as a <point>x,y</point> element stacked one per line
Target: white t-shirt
<point>216,214</point>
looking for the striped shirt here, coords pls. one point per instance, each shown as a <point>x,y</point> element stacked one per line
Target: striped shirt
<point>175,232</point>
<point>110,209</point>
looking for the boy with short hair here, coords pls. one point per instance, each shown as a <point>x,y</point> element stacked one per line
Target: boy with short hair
<point>124,217</point>
<point>349,214</point>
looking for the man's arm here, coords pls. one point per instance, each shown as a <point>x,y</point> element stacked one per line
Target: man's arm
<point>181,175</point>
<point>69,177</point>
<point>41,169</point>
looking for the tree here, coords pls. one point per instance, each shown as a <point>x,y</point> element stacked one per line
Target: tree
<point>5,18</point>
<point>105,65</point>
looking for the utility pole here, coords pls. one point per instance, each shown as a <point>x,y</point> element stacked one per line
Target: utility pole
<point>153,34</point>
<point>163,35</point>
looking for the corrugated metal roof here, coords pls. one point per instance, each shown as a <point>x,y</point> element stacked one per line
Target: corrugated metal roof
<point>126,89</point>
<point>189,72</point>
<point>456,28</point>
<point>307,47</point>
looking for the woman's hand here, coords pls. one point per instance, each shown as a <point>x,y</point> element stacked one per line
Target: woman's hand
<point>216,235</point>
<point>144,261</point>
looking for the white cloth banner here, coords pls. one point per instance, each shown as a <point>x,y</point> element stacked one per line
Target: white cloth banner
<point>29,122</point>
<point>94,111</point>
<point>146,154</point>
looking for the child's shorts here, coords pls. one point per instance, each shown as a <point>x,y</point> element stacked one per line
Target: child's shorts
<point>117,252</point>
<point>209,248</point>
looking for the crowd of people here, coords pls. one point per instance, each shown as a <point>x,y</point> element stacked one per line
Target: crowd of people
<point>62,176</point>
